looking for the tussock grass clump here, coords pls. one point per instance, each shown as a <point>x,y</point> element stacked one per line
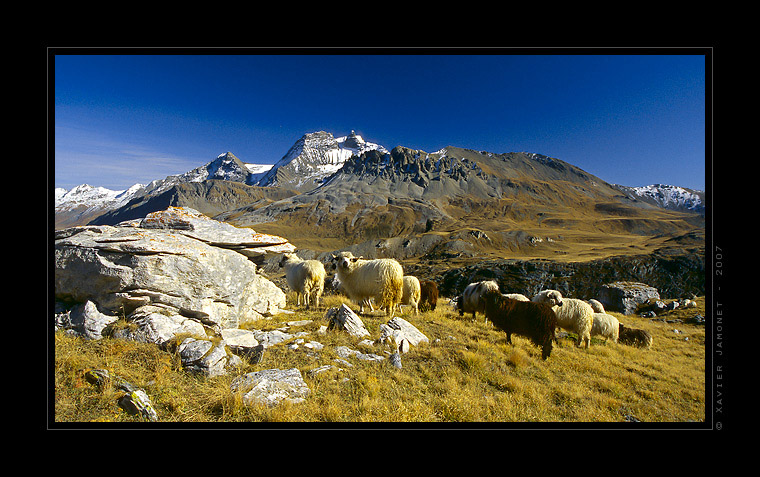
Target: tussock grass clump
<point>467,373</point>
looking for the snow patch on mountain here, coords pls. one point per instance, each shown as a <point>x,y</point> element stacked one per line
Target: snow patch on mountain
<point>670,196</point>
<point>90,197</point>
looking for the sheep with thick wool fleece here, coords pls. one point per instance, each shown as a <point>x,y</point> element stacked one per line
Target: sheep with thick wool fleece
<point>411,293</point>
<point>305,277</point>
<point>596,306</point>
<point>516,296</point>
<point>363,280</point>
<point>470,301</point>
<point>572,314</point>
<point>606,326</point>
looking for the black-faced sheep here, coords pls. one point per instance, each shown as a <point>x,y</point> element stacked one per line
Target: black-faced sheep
<point>469,301</point>
<point>363,280</point>
<point>572,314</point>
<point>535,321</point>
<point>305,277</point>
<point>411,293</point>
<point>634,337</point>
<point>428,295</point>
<point>606,326</point>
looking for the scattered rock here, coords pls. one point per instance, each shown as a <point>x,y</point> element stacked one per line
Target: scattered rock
<point>395,360</point>
<point>345,352</point>
<point>271,386</point>
<point>152,324</point>
<point>344,318</point>
<point>138,403</point>
<point>206,357</point>
<point>401,334</point>
<point>85,320</point>
<point>135,401</point>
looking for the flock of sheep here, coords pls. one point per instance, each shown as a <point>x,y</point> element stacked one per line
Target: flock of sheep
<point>383,281</point>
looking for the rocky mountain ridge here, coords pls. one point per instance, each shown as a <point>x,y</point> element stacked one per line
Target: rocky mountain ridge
<point>328,174</point>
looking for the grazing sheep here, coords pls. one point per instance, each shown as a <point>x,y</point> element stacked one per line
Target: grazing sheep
<point>380,279</point>
<point>596,306</point>
<point>572,314</point>
<point>548,297</point>
<point>516,296</point>
<point>411,293</point>
<point>469,301</point>
<point>305,277</point>
<point>606,326</point>
<point>428,295</point>
<point>634,337</point>
<point>535,321</point>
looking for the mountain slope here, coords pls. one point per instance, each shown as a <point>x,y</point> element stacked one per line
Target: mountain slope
<point>409,192</point>
<point>209,197</point>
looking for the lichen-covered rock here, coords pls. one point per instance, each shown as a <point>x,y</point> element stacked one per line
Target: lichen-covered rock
<point>176,257</point>
<point>271,387</point>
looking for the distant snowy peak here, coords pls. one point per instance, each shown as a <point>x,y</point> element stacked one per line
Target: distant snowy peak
<point>85,195</point>
<point>670,196</point>
<point>314,157</point>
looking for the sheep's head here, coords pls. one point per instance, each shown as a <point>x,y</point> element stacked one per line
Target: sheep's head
<point>285,258</point>
<point>345,263</point>
<point>554,298</point>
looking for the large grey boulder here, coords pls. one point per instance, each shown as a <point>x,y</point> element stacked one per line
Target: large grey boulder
<point>177,257</point>
<point>625,297</point>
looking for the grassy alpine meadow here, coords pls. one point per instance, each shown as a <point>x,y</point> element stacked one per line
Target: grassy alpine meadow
<point>466,373</point>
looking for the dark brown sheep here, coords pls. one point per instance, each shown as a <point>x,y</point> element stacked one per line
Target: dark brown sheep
<point>535,321</point>
<point>634,337</point>
<point>428,295</point>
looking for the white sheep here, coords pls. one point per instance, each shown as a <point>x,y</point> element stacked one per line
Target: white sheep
<point>516,296</point>
<point>596,306</point>
<point>606,326</point>
<point>305,277</point>
<point>411,293</point>
<point>572,314</point>
<point>363,280</point>
<point>469,301</point>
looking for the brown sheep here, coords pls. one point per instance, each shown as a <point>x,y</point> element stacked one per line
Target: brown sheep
<point>429,295</point>
<point>634,337</point>
<point>535,321</point>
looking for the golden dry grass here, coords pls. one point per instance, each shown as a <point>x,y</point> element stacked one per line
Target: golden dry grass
<point>467,373</point>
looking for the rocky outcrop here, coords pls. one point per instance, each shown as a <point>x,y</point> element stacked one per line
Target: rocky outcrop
<point>625,297</point>
<point>673,275</point>
<point>177,258</point>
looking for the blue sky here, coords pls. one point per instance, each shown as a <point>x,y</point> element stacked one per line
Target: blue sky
<point>629,119</point>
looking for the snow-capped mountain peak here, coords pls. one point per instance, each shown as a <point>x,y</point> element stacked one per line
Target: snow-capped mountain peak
<point>313,158</point>
<point>670,196</point>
